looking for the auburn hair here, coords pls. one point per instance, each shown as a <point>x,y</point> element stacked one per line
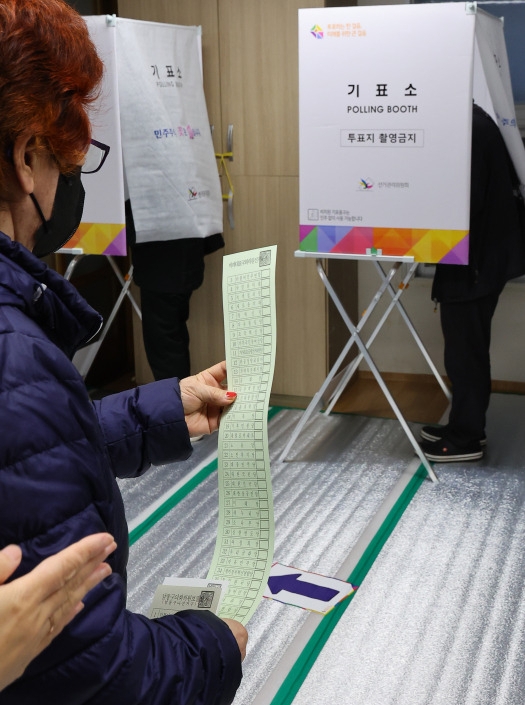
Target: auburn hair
<point>50,74</point>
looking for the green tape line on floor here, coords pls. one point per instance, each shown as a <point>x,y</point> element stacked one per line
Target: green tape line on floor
<point>139,531</point>
<point>159,513</point>
<point>299,671</point>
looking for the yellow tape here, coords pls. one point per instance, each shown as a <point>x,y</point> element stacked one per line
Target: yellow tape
<point>222,166</point>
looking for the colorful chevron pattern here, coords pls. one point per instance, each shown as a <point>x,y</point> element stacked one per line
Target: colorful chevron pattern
<point>431,246</point>
<point>100,239</point>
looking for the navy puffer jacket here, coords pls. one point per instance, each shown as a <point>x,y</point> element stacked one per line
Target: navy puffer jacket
<point>59,456</point>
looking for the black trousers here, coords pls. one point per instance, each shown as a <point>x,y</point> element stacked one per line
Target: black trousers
<point>466,329</point>
<point>165,333</point>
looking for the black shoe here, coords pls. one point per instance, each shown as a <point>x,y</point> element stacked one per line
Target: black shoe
<point>436,433</point>
<point>443,451</point>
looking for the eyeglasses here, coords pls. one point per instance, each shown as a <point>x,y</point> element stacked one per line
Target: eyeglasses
<point>95,157</point>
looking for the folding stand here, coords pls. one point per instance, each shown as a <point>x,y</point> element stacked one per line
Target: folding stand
<point>355,331</point>
<point>84,358</point>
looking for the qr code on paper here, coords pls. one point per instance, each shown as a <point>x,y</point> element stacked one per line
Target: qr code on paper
<point>206,599</point>
<point>265,258</point>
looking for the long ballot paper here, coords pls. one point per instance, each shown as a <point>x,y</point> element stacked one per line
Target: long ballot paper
<point>244,549</point>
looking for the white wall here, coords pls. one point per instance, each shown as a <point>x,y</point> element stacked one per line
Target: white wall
<point>395,350</point>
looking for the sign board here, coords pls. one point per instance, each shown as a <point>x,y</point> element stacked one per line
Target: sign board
<point>385,106</point>
<point>103,230</point>
<point>496,92</point>
<point>151,109</point>
<point>169,159</point>
<point>301,588</point>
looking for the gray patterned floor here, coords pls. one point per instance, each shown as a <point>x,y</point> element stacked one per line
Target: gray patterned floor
<point>440,616</point>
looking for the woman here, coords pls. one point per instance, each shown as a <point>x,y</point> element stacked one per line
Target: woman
<point>59,453</point>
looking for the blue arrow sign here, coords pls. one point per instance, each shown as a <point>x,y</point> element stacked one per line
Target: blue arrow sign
<point>292,584</point>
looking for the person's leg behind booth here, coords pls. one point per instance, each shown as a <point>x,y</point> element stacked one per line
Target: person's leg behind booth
<point>165,332</point>
<point>167,273</point>
<point>466,329</point>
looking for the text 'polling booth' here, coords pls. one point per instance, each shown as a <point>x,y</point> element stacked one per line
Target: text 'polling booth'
<point>385,96</point>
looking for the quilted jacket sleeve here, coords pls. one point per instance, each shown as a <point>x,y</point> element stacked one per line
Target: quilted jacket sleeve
<point>144,426</point>
<point>55,488</point>
<point>190,658</point>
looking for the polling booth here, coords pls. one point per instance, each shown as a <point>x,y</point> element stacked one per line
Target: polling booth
<point>385,117</point>
<point>169,159</point>
<point>103,230</point>
<point>151,121</point>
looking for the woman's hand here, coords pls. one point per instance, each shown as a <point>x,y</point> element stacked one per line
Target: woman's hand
<point>203,398</point>
<point>37,606</point>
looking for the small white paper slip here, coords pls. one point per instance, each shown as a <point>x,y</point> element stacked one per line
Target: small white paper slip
<point>177,594</point>
<point>310,591</point>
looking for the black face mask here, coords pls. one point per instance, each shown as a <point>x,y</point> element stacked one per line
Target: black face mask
<point>65,217</point>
